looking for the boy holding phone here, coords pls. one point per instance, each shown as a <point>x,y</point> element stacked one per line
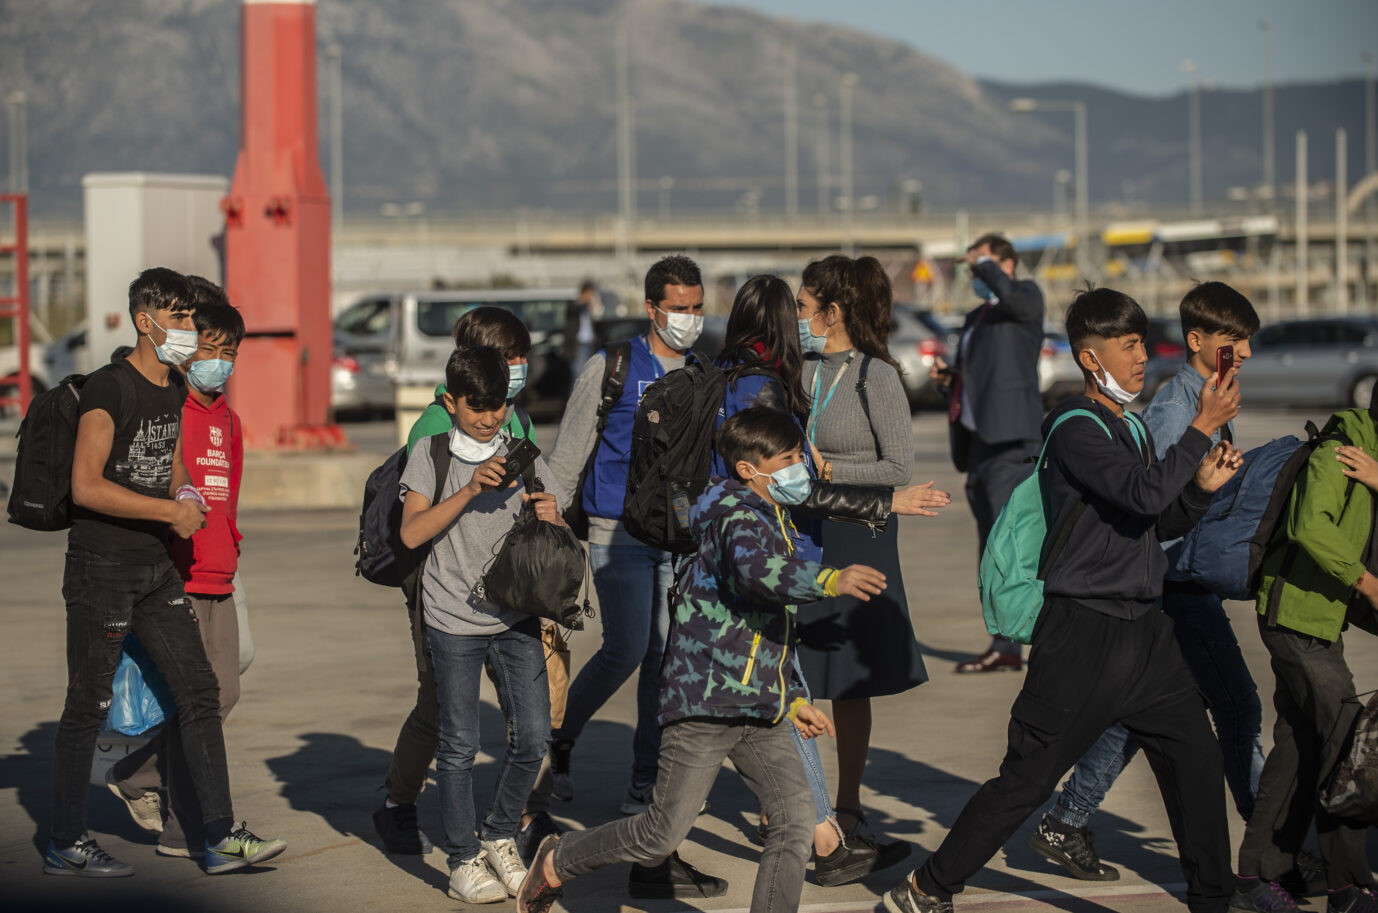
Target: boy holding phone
<point>462,630</point>
<point>1217,322</point>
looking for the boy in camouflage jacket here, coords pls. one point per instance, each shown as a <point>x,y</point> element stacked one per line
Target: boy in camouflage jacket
<point>729,678</point>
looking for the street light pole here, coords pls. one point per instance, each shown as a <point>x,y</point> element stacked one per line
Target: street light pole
<point>1083,179</point>
<point>335,54</point>
<point>849,83</point>
<point>1193,136</point>
<point>791,135</point>
<point>822,158</point>
<point>1269,175</point>
<point>626,201</point>
<point>1370,166</point>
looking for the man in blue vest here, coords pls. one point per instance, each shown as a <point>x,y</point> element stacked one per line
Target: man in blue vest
<point>632,578</point>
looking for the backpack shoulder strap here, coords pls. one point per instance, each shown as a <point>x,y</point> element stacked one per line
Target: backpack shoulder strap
<point>1136,426</point>
<point>1070,414</point>
<point>1064,531</point>
<point>128,396</point>
<point>440,459</point>
<point>616,363</point>
<point>864,370</point>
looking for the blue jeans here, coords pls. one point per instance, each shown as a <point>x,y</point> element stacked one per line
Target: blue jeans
<point>1212,653</point>
<point>813,761</point>
<point>518,660</point>
<point>633,582</point>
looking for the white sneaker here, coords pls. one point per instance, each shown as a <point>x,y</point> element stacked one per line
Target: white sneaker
<point>505,862</point>
<point>472,882</point>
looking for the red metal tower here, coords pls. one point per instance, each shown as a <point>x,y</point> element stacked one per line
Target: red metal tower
<point>277,234</point>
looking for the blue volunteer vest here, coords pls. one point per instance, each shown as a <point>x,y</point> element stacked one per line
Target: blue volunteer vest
<point>606,485</point>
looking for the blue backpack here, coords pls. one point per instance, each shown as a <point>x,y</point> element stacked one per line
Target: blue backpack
<point>1224,552</point>
<point>1012,567</point>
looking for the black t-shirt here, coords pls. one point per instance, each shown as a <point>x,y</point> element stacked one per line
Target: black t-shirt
<point>146,431</point>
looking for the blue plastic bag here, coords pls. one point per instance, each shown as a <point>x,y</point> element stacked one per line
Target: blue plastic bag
<point>142,699</point>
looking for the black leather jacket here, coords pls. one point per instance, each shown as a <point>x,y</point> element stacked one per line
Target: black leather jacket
<point>869,506</point>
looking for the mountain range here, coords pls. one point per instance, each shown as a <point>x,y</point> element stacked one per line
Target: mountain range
<point>483,106</point>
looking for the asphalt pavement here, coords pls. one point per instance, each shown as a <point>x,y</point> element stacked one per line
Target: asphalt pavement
<point>310,740</point>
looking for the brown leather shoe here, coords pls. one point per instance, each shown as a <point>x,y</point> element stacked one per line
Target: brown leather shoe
<point>993,661</point>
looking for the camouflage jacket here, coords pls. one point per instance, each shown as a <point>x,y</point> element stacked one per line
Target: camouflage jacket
<point>731,635</point>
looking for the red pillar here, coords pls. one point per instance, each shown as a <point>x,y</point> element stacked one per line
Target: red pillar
<point>277,234</point>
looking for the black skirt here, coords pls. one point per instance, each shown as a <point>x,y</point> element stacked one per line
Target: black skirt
<point>849,648</point>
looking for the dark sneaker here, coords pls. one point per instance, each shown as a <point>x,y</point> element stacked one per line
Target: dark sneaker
<point>904,899</point>
<point>400,832</point>
<point>561,785</point>
<point>529,837</point>
<point>146,808</point>
<point>84,858</point>
<point>242,848</point>
<point>536,895</point>
<point>1306,878</point>
<point>673,878</point>
<point>1352,900</point>
<point>1254,895</point>
<point>856,857</point>
<point>1074,851</point>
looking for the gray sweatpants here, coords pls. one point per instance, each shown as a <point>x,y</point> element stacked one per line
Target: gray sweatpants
<point>691,754</point>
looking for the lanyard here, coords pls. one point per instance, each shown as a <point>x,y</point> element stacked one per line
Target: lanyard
<point>655,362</point>
<point>817,383</point>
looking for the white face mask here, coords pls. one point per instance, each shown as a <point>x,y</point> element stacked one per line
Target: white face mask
<point>680,330</point>
<point>1111,387</point>
<point>177,347</point>
<point>470,449</point>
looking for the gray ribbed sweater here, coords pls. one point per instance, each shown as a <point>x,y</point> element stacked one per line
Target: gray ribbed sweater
<point>877,453</point>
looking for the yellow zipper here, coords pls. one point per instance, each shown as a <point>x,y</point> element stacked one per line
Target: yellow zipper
<point>751,660</point>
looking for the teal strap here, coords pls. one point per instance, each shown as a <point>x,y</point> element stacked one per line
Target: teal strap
<point>1072,413</point>
<point>1140,432</point>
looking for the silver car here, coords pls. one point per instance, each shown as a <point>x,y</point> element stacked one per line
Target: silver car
<point>1324,361</point>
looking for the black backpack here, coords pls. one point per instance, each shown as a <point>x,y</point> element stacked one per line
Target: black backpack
<point>616,362</point>
<point>672,451</point>
<point>41,497</point>
<point>381,557</point>
<point>538,568</point>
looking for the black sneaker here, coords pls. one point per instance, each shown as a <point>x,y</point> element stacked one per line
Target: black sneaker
<point>1352,899</point>
<point>1254,895</point>
<point>400,831</point>
<point>530,836</point>
<point>856,857</point>
<point>561,786</point>
<point>673,878</point>
<point>904,899</point>
<point>1075,851</point>
<point>1306,878</point>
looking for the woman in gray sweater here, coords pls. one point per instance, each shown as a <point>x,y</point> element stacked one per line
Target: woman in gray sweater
<point>861,428</point>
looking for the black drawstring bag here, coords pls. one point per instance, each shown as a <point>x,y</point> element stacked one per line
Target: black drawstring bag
<point>539,569</point>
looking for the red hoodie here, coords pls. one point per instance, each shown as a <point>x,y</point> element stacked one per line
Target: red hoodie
<point>213,451</point>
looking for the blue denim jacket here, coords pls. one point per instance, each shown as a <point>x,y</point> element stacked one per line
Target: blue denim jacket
<point>1167,416</point>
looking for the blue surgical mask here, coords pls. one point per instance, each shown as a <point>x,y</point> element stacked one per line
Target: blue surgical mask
<point>808,340</point>
<point>209,375</point>
<point>790,485</point>
<point>980,289</point>
<point>516,380</point>
<point>177,347</point>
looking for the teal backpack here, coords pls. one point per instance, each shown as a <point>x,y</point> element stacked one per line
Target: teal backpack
<point>1011,579</point>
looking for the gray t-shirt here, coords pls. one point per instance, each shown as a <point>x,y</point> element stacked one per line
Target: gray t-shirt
<point>460,554</point>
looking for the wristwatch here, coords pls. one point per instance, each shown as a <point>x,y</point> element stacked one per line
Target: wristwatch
<point>827,470</point>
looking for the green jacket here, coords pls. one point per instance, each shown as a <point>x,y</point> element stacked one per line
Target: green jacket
<point>435,420</point>
<point>1329,532</point>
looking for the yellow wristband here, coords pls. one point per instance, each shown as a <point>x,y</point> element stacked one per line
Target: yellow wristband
<point>828,580</point>
<point>794,708</point>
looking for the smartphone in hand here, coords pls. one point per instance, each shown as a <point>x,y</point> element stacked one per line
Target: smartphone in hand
<point>521,453</point>
<point>1224,362</point>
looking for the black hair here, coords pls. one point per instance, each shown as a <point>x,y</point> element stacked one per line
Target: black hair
<point>1214,307</point>
<point>1000,247</point>
<point>160,289</point>
<point>479,375</point>
<point>494,327</point>
<point>755,434</point>
<point>861,290</point>
<point>764,315</point>
<point>1103,313</point>
<point>675,269</point>
<point>214,314</point>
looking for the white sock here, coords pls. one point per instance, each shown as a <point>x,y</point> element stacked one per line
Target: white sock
<point>388,803</point>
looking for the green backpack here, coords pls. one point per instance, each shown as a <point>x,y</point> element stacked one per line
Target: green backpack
<point>1011,579</point>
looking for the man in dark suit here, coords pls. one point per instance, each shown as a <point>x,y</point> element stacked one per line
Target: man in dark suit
<point>995,407</point>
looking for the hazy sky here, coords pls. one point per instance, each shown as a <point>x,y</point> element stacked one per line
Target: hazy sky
<point>1136,46</point>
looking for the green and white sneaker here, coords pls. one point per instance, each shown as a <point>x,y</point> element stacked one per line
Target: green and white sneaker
<point>242,848</point>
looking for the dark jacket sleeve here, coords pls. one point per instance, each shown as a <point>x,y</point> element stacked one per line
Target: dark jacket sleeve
<point>1020,299</point>
<point>849,502</point>
<point>1104,468</point>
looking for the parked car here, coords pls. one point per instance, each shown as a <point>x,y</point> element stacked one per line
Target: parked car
<point>1058,374</point>
<point>1322,361</point>
<point>915,346</point>
<point>1167,349</point>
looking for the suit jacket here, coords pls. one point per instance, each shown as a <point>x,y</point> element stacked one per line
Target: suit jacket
<point>999,363</point>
